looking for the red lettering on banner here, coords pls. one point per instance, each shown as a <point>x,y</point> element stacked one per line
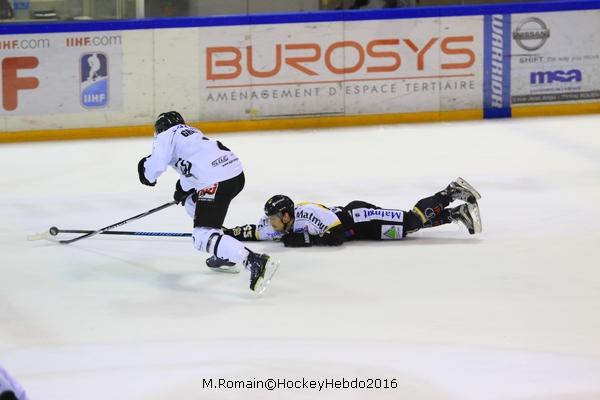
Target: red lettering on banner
<point>467,52</point>
<point>264,74</point>
<point>225,62</point>
<point>9,44</point>
<point>11,83</point>
<point>384,54</point>
<point>346,70</point>
<point>235,63</point>
<point>420,53</point>
<point>294,62</point>
<point>79,41</point>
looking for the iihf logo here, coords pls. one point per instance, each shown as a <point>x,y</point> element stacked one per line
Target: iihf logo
<point>94,80</point>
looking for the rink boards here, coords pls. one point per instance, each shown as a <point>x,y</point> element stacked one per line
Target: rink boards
<point>102,79</point>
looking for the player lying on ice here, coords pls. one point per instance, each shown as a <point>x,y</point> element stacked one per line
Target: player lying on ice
<point>211,175</point>
<point>307,224</point>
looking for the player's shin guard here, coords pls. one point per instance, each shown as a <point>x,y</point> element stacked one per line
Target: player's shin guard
<point>430,208</point>
<point>214,242</point>
<point>444,218</point>
<point>412,222</point>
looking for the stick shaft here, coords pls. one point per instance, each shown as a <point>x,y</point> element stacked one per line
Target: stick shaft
<point>115,225</point>
<point>129,233</point>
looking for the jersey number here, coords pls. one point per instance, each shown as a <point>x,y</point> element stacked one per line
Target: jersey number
<point>186,132</point>
<point>184,166</point>
<point>222,146</point>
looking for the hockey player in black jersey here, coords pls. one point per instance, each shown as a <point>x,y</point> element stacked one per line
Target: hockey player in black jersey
<point>307,224</point>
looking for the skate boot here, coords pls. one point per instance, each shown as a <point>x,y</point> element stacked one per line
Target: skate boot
<point>221,265</point>
<point>262,268</point>
<point>468,214</point>
<point>462,190</point>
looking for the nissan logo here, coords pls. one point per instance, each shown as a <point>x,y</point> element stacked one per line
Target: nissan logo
<point>531,34</point>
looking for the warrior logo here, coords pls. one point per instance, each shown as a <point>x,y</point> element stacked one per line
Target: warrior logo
<point>94,80</point>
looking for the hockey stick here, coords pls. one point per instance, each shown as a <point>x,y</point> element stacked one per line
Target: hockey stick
<point>125,221</point>
<point>53,231</point>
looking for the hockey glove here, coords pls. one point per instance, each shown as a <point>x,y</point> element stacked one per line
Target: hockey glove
<point>300,239</point>
<point>180,195</point>
<point>333,237</point>
<point>142,175</point>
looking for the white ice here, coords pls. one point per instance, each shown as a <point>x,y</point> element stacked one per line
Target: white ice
<point>510,314</point>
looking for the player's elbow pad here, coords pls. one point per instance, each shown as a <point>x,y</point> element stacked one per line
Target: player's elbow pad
<point>245,233</point>
<point>142,173</point>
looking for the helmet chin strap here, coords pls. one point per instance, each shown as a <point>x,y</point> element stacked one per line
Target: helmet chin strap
<point>287,227</point>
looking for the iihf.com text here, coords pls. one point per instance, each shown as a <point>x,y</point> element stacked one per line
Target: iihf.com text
<point>303,383</point>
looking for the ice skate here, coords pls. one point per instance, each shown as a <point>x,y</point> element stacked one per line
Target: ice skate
<point>462,190</point>
<point>262,268</point>
<point>221,265</point>
<point>468,214</point>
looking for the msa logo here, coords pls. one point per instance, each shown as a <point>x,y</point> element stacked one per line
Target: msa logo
<point>94,80</point>
<point>542,77</point>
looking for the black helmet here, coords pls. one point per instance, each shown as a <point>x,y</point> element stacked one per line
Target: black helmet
<point>279,204</point>
<point>166,120</point>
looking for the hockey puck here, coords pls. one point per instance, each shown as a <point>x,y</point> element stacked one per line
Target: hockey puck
<point>53,230</point>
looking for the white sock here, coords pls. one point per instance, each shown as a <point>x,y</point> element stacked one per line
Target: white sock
<point>231,249</point>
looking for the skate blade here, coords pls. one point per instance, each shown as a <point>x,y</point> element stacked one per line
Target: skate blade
<point>461,182</point>
<point>476,217</point>
<point>226,270</point>
<point>270,270</point>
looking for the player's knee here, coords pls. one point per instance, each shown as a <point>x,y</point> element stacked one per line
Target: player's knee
<point>206,239</point>
<point>412,222</point>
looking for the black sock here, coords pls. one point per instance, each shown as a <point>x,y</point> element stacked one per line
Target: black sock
<point>430,208</point>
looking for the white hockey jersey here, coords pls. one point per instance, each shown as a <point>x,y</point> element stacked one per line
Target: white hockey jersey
<point>200,161</point>
<point>8,383</point>
<point>314,219</point>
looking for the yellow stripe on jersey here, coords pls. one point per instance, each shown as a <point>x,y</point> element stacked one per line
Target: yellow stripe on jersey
<point>304,203</point>
<point>338,223</point>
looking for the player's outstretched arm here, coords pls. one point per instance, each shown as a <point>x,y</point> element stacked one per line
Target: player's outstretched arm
<point>243,233</point>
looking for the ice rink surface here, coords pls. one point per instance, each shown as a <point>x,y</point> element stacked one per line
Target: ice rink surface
<point>510,314</point>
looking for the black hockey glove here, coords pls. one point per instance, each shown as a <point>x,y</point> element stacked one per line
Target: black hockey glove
<point>333,237</point>
<point>141,173</point>
<point>180,195</point>
<point>300,239</point>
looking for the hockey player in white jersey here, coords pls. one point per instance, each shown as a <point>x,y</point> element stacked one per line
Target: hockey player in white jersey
<point>211,175</point>
<point>10,389</point>
<point>307,224</point>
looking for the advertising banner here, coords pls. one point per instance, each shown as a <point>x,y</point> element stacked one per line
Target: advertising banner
<point>496,84</point>
<point>358,67</point>
<point>420,65</point>
<point>555,57</point>
<point>60,73</point>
